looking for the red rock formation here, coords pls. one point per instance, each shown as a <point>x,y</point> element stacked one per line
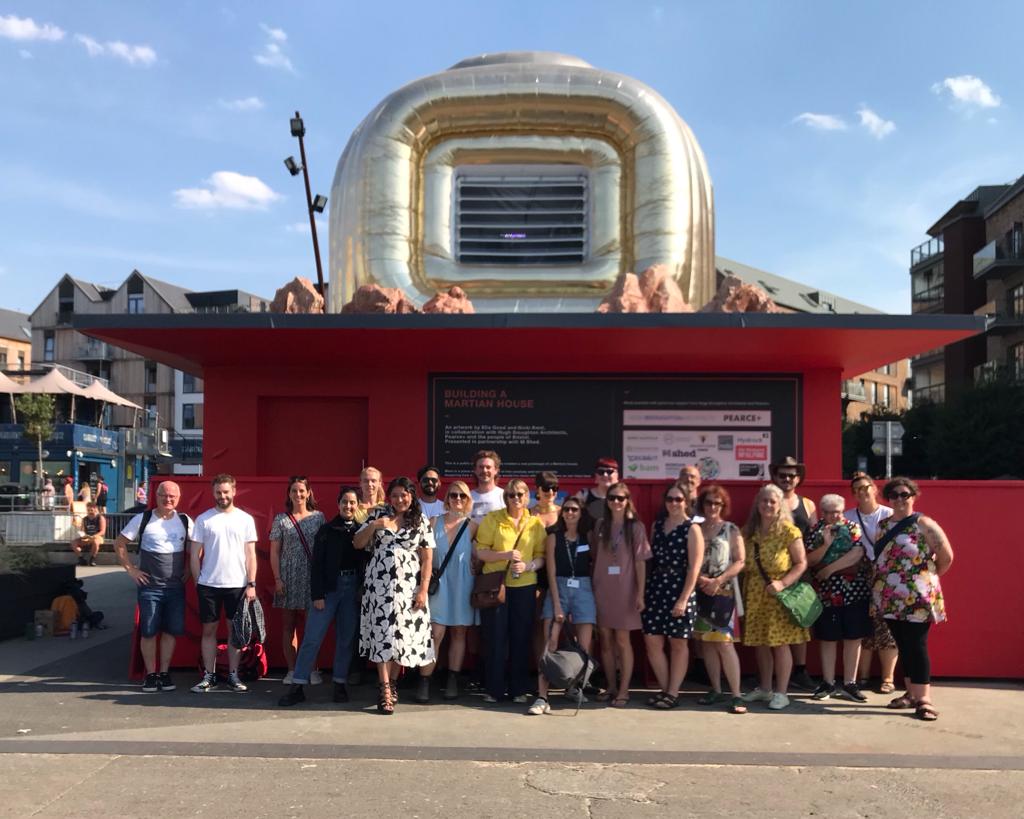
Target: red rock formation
<point>454,301</point>
<point>734,296</point>
<point>298,296</point>
<point>653,291</point>
<point>372,298</point>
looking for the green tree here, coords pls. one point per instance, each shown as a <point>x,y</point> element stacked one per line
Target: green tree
<point>978,435</point>
<point>35,411</point>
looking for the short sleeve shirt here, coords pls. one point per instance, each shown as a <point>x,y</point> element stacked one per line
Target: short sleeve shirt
<point>223,536</point>
<point>162,550</point>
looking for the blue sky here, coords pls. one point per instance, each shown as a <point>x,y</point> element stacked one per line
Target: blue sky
<point>151,135</point>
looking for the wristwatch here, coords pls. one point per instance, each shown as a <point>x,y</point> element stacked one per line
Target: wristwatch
<point>251,584</point>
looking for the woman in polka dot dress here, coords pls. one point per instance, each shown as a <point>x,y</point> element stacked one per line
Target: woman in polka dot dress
<point>670,602</point>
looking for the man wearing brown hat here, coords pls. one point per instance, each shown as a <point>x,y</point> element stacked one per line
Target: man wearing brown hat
<point>606,472</point>
<point>788,474</point>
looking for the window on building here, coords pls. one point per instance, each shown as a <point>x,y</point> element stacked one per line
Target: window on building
<point>65,301</point>
<point>48,345</point>
<point>189,383</point>
<point>21,361</point>
<point>1015,361</point>
<point>188,416</point>
<point>521,215</point>
<point>150,376</point>
<point>135,290</point>
<point>885,369</point>
<point>1015,301</point>
<point>886,395</point>
<point>3,358</point>
<point>872,392</point>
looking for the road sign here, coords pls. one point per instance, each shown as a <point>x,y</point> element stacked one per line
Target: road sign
<point>878,431</point>
<point>878,448</point>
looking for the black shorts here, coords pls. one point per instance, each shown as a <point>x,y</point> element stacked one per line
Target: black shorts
<point>850,622</point>
<point>212,598</point>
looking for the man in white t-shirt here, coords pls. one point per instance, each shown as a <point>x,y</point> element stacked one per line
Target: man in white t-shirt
<point>163,535</point>
<point>223,561</point>
<point>429,480</point>
<point>488,496</point>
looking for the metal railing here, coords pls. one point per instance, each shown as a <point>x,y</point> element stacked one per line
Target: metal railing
<point>1008,249</point>
<point>925,250</point>
<point>993,371</point>
<point>933,394</point>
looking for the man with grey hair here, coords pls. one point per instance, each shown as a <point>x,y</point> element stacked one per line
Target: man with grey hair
<point>162,535</point>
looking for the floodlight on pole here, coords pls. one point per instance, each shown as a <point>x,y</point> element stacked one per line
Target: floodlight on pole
<point>298,130</point>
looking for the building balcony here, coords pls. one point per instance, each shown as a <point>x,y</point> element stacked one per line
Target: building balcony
<point>931,300</point>
<point>992,371</point>
<point>187,449</point>
<point>932,394</point>
<point>926,252</point>
<point>1005,323</point>
<point>93,350</point>
<point>854,391</point>
<point>999,257</point>
<point>929,356</point>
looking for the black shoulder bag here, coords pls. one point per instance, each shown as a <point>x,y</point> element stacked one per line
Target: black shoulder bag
<point>892,533</point>
<point>435,577</point>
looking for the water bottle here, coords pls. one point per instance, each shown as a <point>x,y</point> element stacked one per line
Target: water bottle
<point>73,633</point>
<point>39,629</point>
<point>85,631</point>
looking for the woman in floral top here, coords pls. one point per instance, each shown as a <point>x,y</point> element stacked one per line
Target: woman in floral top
<point>907,591</point>
<point>835,555</point>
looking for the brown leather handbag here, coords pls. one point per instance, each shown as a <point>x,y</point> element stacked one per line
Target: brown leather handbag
<point>489,589</point>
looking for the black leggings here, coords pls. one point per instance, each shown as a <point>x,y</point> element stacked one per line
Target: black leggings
<point>912,642</point>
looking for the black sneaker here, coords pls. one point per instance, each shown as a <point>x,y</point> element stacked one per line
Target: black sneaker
<point>151,684</point>
<point>166,683</point>
<point>340,692</point>
<point>235,683</point>
<point>803,681</point>
<point>92,561</point>
<point>823,691</point>
<point>849,691</point>
<point>206,684</point>
<point>294,696</point>
<point>422,694</point>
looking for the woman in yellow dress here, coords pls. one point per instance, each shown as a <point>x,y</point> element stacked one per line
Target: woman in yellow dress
<point>776,550</point>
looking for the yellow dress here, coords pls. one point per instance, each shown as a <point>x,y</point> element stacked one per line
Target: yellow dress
<point>766,622</point>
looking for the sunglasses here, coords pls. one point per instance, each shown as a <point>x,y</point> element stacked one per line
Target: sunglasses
<point>547,488</point>
<point>713,503</point>
<point>429,480</point>
<point>604,471</point>
<point>900,495</point>
<point>675,499</point>
<point>519,495</point>
<point>617,498</point>
<point>457,496</point>
<point>574,509</point>
<point>862,487</point>
<point>787,476</point>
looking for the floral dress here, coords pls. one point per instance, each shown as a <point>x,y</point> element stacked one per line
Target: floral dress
<point>767,623</point>
<point>664,582</point>
<point>390,629</point>
<point>906,582</point>
<point>850,585</point>
<point>294,563</point>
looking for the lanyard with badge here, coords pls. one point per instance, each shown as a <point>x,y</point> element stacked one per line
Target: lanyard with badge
<point>615,568</point>
<point>572,582</point>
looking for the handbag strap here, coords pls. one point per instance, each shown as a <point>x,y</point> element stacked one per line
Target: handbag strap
<point>892,533</point>
<point>757,560</point>
<point>302,537</point>
<point>451,548</point>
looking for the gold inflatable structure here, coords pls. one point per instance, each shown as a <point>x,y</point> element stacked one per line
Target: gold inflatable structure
<point>530,179</point>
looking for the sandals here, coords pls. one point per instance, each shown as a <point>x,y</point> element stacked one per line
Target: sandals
<point>667,702</point>
<point>713,698</point>
<point>902,702</point>
<point>385,703</point>
<point>926,711</point>
<point>886,688</point>
<point>606,696</point>
<point>738,706</point>
<point>654,699</point>
<point>394,693</point>
<point>620,702</point>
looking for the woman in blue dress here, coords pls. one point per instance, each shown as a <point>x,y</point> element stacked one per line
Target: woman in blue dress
<point>450,611</point>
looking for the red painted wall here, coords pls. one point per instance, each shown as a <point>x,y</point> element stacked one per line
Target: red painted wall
<point>981,639</point>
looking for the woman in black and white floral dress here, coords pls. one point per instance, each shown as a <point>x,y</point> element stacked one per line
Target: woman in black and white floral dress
<point>395,620</point>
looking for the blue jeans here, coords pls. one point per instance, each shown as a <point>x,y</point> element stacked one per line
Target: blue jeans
<point>341,607</point>
<point>161,610</point>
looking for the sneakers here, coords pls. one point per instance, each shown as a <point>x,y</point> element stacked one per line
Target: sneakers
<point>340,692</point>
<point>824,690</point>
<point>315,677</point>
<point>166,683</point>
<point>294,696</point>
<point>778,701</point>
<point>422,695</point>
<point>235,684</point>
<point>490,700</point>
<point>757,695</point>
<point>849,691</point>
<point>802,680</point>
<point>92,561</point>
<point>288,679</point>
<point>540,706</point>
<point>207,683</point>
<point>151,684</point>
<point>451,689</point>
<point>521,699</point>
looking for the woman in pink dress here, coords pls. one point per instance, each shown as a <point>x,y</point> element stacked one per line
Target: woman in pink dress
<point>619,574</point>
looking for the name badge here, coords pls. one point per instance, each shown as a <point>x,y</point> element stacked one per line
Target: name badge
<point>573,583</point>
<point>614,570</point>
<point>583,547</point>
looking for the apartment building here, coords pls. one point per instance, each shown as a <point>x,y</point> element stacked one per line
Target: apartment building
<point>884,388</point>
<point>973,263</point>
<point>15,342</point>
<point>170,399</point>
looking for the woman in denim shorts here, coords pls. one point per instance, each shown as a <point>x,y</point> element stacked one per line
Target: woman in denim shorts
<point>570,595</point>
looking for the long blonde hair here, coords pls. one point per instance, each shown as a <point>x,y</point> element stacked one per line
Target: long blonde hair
<point>754,521</point>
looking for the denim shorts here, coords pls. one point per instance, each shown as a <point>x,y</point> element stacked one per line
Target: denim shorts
<point>577,604</point>
<point>161,610</point>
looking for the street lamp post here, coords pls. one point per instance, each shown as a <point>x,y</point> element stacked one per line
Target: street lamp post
<point>298,130</point>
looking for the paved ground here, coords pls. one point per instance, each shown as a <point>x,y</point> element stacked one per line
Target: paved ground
<point>77,740</point>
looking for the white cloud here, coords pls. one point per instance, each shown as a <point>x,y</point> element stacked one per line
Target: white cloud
<point>274,33</point>
<point>876,126</point>
<point>227,189</point>
<point>131,54</point>
<point>272,57</point>
<point>821,122</point>
<point>969,91</point>
<point>25,28</point>
<point>243,104</point>
<point>25,54</point>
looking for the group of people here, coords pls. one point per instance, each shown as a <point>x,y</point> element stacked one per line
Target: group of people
<point>397,571</point>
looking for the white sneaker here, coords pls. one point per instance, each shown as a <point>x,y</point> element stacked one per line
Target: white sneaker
<point>778,701</point>
<point>540,706</point>
<point>315,678</point>
<point>757,695</point>
<point>287,678</point>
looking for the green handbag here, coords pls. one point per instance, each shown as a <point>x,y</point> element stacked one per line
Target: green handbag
<point>800,599</point>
